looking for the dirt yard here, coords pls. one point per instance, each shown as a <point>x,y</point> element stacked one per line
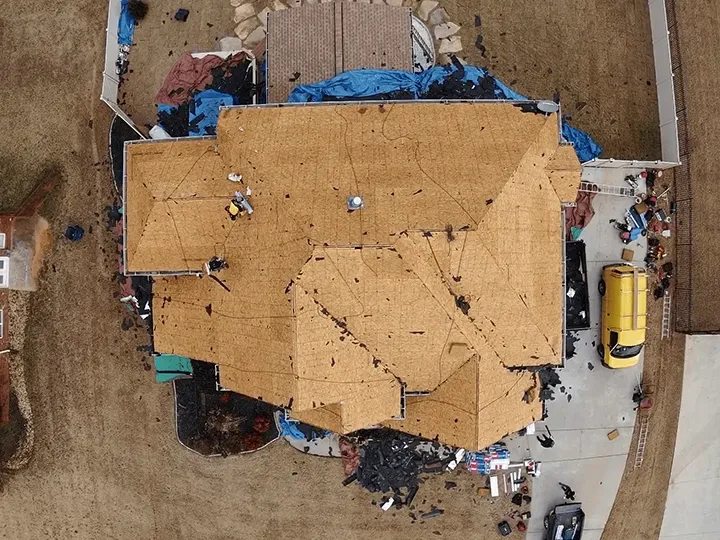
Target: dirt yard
<point>597,55</point>
<point>162,41</point>
<point>106,462</point>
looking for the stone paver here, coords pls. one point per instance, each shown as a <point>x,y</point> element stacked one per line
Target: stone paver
<point>245,28</point>
<point>446,30</point>
<point>426,6</point>
<point>243,12</point>
<point>450,45</point>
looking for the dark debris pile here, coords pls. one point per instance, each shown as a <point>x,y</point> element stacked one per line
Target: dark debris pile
<point>214,422</point>
<point>234,78</point>
<point>549,379</point>
<point>577,300</point>
<point>451,87</point>
<point>175,121</point>
<point>391,461</point>
<point>454,87</point>
<point>571,338</point>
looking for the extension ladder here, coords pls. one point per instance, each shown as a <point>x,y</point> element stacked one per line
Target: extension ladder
<point>666,316</point>
<point>642,439</point>
<point>606,189</point>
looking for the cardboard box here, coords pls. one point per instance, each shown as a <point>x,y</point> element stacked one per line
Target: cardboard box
<point>627,255</point>
<point>614,434</point>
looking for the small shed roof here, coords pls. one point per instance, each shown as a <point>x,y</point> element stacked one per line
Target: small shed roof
<point>315,42</point>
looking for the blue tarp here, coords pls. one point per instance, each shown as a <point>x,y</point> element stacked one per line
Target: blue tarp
<point>126,25</point>
<point>585,147</point>
<point>288,427</point>
<point>366,83</point>
<point>204,111</point>
<point>166,108</point>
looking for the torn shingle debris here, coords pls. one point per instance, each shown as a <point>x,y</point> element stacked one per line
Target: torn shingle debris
<point>215,422</point>
<point>571,338</point>
<point>549,379</point>
<point>434,512</point>
<point>186,95</point>
<point>182,15</point>
<point>462,304</point>
<point>394,462</point>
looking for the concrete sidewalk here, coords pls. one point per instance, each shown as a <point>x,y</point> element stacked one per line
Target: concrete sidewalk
<point>691,510</point>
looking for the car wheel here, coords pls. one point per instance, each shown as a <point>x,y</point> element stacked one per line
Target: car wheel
<point>546,523</point>
<point>601,351</point>
<point>601,287</point>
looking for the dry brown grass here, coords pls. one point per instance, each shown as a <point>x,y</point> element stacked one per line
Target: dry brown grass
<point>106,462</point>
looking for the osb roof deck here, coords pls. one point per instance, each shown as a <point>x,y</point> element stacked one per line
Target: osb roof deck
<point>450,274</point>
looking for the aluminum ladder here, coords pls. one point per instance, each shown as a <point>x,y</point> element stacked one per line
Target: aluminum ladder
<point>606,189</point>
<point>642,440</point>
<point>666,316</point>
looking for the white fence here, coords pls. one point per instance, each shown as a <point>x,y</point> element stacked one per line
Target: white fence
<point>111,80</point>
<point>664,82</point>
<point>667,111</point>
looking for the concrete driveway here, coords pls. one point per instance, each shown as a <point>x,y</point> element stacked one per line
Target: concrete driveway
<point>692,500</point>
<point>591,400</point>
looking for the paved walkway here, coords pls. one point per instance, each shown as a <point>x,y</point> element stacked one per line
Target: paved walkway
<point>691,511</point>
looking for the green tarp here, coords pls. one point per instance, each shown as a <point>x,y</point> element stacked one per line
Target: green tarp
<point>171,366</point>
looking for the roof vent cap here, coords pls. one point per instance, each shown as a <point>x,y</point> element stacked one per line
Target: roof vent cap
<point>355,202</point>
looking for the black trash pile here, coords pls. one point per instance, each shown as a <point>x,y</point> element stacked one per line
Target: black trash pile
<point>665,274</point>
<point>451,87</point>
<point>577,301</point>
<point>454,87</point>
<point>175,121</point>
<point>549,380</point>
<point>232,77</point>
<point>571,338</point>
<point>391,461</point>
<point>215,422</point>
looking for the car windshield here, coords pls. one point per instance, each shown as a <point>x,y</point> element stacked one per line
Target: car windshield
<point>626,352</point>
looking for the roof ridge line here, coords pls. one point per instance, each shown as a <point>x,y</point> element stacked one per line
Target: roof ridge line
<point>531,146</point>
<point>343,325</point>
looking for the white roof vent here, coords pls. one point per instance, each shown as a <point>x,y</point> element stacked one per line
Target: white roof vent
<point>355,202</point>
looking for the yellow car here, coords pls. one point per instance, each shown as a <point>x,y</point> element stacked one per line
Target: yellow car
<point>623,289</point>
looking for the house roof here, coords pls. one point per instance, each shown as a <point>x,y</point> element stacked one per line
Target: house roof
<point>316,42</point>
<point>450,274</point>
